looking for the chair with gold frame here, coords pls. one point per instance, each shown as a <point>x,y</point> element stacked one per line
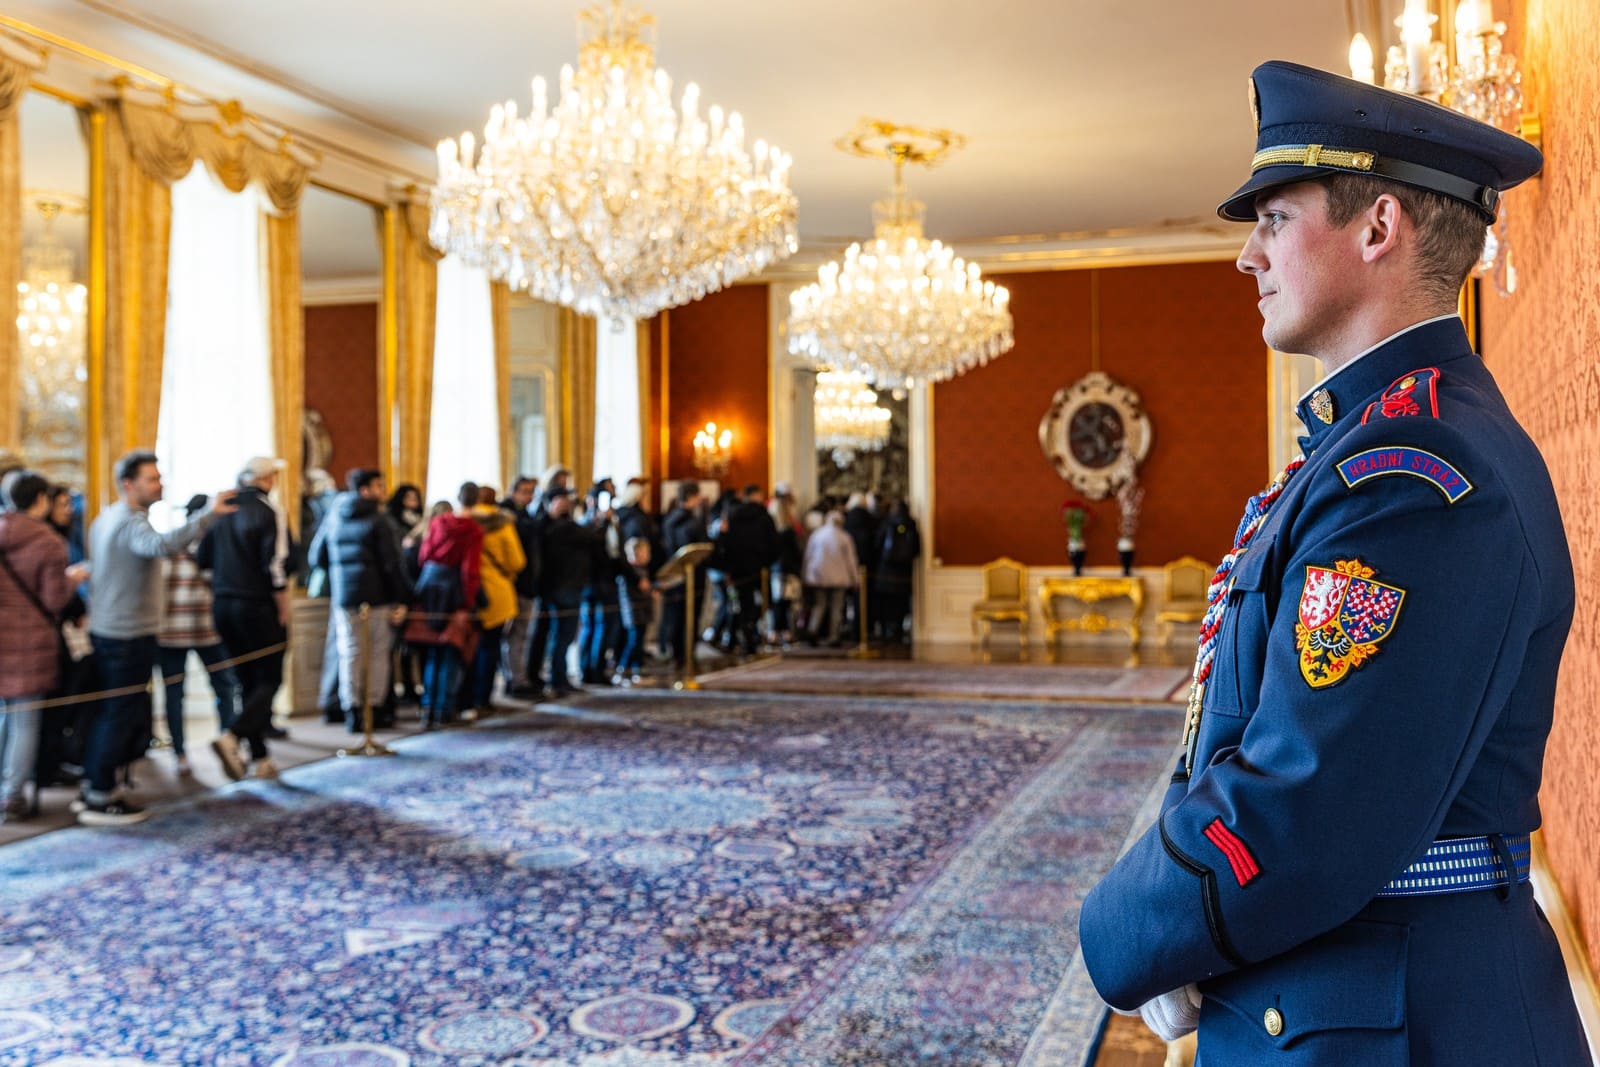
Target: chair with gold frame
<point>1187,581</point>
<point>1005,599</point>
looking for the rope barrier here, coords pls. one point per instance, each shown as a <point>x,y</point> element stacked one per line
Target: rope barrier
<point>282,646</point>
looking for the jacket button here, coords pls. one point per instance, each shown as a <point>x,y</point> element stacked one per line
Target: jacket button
<point>1273,1021</point>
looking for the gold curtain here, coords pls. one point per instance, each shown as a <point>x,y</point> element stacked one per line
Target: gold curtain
<point>500,311</point>
<point>287,341</point>
<point>18,62</point>
<point>152,141</point>
<point>643,344</point>
<point>138,229</point>
<point>416,297</point>
<point>577,371</point>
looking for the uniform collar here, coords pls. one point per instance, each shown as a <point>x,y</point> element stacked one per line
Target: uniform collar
<point>1346,392</point>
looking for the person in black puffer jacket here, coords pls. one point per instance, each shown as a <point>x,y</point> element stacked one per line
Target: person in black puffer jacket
<point>357,546</point>
<point>746,545</point>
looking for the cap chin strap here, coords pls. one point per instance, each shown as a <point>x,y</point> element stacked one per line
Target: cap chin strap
<point>1486,198</point>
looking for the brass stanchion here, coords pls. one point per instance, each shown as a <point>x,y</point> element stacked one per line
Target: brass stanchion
<point>691,632</point>
<point>862,651</point>
<point>369,747</point>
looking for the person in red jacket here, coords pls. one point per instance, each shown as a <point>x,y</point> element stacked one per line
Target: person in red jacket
<point>35,584</point>
<point>450,557</point>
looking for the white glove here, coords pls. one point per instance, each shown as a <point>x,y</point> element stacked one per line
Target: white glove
<point>1174,1014</point>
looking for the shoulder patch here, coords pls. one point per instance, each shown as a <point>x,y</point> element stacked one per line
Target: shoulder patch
<point>1416,393</point>
<point>1345,613</point>
<point>1386,460</point>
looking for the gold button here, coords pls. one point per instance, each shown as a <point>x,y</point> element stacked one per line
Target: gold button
<point>1274,1021</point>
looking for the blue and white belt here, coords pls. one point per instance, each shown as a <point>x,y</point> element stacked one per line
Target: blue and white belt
<point>1462,865</point>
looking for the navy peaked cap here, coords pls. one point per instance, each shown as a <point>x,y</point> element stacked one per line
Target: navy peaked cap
<point>1310,123</point>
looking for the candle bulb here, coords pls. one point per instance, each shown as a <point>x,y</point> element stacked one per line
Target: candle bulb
<point>1361,59</point>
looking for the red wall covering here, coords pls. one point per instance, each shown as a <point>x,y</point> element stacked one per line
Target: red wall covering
<point>342,381</point>
<point>1541,345</point>
<point>717,371</point>
<point>1187,337</point>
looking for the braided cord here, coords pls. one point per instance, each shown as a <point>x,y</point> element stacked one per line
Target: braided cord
<point>1255,513</point>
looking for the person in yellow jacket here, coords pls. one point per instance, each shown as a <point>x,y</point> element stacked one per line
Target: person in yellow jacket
<point>502,561</point>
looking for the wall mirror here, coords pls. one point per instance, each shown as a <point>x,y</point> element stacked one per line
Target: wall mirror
<point>53,299</point>
<point>341,265</point>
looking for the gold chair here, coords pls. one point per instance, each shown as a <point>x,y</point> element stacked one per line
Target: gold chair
<point>1005,599</point>
<point>1187,581</point>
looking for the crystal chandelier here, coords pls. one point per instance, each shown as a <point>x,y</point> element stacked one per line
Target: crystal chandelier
<point>847,418</point>
<point>900,309</point>
<point>1483,83</point>
<point>609,201</point>
<point>51,339</point>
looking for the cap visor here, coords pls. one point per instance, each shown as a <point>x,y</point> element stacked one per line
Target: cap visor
<point>1241,206</point>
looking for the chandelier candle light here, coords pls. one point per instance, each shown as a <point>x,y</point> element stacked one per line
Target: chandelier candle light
<point>1483,83</point>
<point>900,309</point>
<point>608,200</point>
<point>848,419</point>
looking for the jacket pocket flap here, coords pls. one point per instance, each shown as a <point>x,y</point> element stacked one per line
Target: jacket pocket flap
<point>1251,571</point>
<point>1351,978</point>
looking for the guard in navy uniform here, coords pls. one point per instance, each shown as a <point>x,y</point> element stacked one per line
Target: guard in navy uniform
<point>1339,874</point>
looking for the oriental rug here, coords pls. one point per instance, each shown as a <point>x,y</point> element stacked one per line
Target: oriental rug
<point>961,681</point>
<point>692,882</point>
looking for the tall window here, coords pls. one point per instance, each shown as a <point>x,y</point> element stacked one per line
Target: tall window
<point>618,450</point>
<point>216,378</point>
<point>464,439</point>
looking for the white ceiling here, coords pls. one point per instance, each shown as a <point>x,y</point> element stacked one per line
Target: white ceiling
<point>1080,115</point>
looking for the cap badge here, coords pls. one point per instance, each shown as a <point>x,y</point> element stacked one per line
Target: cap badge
<point>1322,406</point>
<point>1255,105</point>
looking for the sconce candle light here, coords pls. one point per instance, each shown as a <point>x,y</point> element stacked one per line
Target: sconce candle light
<point>713,451</point>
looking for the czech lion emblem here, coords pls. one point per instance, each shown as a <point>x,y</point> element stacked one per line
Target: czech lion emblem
<point>1344,616</point>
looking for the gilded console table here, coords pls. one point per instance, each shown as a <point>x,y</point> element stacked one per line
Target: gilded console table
<point>1089,591</point>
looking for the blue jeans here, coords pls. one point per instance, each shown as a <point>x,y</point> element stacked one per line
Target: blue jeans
<point>124,663</point>
<point>441,677</point>
<point>19,743</point>
<point>601,628</point>
<point>486,665</point>
<point>224,683</point>
<point>563,624</point>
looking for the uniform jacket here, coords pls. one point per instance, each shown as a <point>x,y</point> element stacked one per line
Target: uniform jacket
<point>1384,676</point>
<point>29,664</point>
<point>356,545</point>
<point>247,552</point>
<point>894,576</point>
<point>501,562</point>
<point>831,561</point>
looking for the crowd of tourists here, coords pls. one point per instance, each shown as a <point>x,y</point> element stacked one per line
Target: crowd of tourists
<point>533,595</point>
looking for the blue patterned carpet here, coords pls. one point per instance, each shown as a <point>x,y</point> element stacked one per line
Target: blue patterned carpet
<point>693,882</point>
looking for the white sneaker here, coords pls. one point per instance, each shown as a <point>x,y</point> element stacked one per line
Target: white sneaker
<point>265,768</point>
<point>226,747</point>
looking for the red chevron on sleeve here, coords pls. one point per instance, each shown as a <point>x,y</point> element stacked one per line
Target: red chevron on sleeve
<point>1244,865</point>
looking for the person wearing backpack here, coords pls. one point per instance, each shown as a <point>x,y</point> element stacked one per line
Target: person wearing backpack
<point>899,546</point>
<point>35,584</point>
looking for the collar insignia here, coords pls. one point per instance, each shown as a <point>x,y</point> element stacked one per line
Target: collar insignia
<point>1322,406</point>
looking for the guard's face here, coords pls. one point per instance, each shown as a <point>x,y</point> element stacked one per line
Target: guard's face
<point>1302,266</point>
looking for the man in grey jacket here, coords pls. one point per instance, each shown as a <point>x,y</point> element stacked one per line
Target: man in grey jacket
<point>124,620</point>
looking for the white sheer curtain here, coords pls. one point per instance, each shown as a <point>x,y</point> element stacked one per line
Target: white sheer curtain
<point>216,378</point>
<point>618,450</point>
<point>464,436</point>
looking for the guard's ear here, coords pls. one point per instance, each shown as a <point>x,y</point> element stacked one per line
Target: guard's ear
<point>1380,228</point>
